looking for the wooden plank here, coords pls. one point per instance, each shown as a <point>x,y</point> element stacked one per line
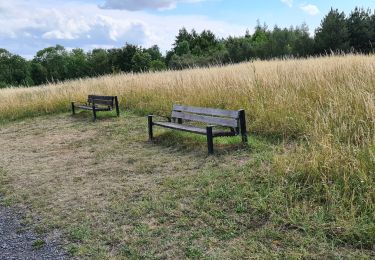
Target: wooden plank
<point>185,128</point>
<point>101,97</point>
<point>85,107</point>
<point>101,102</point>
<point>207,111</point>
<point>96,108</point>
<point>193,129</point>
<point>206,119</point>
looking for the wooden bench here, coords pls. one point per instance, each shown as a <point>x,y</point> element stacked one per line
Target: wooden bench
<point>231,122</point>
<point>98,103</point>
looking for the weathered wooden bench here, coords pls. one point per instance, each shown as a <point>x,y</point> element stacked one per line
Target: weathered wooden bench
<point>98,103</point>
<point>231,122</point>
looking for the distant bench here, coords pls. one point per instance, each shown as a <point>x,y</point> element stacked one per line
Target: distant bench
<point>98,103</point>
<point>233,121</point>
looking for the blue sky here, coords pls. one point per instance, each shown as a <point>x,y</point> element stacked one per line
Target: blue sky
<point>28,26</point>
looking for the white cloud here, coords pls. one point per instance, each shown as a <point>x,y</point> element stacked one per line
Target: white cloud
<point>310,9</point>
<point>288,2</point>
<point>28,27</point>
<point>136,5</point>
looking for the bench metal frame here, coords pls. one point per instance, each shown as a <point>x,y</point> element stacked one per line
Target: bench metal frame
<point>97,103</point>
<point>233,120</point>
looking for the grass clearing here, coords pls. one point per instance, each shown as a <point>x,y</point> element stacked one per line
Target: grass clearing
<point>305,187</point>
<point>115,195</point>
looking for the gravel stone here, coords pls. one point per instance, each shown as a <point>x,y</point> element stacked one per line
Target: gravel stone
<point>16,241</point>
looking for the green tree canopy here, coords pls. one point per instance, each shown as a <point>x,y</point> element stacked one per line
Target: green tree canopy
<point>333,33</point>
<point>14,70</point>
<point>361,30</point>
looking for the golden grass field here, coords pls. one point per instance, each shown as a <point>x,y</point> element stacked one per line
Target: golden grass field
<point>318,112</point>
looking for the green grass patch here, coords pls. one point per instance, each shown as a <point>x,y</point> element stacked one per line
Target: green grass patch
<point>38,244</point>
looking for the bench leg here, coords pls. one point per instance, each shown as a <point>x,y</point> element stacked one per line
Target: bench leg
<point>243,126</point>
<point>117,107</point>
<point>94,113</point>
<point>150,130</point>
<point>210,140</point>
<point>73,109</point>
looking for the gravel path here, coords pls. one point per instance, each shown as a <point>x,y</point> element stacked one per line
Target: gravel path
<point>18,243</point>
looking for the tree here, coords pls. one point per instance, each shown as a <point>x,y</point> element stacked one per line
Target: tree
<point>38,73</point>
<point>14,70</point>
<point>98,62</point>
<point>183,35</point>
<point>239,49</point>
<point>121,59</point>
<point>333,34</point>
<point>372,25</point>
<point>280,42</point>
<point>361,32</point>
<point>260,39</point>
<point>304,44</point>
<point>141,61</point>
<point>155,53</point>
<point>157,65</point>
<point>182,48</point>
<point>203,42</point>
<point>54,60</point>
<point>77,64</point>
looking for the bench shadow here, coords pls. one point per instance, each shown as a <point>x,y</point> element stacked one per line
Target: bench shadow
<point>187,143</point>
<point>88,116</point>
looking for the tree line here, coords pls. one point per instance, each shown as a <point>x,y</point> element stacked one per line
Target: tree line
<point>337,32</point>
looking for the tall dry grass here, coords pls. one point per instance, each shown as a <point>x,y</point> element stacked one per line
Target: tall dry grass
<point>313,98</point>
<point>327,104</point>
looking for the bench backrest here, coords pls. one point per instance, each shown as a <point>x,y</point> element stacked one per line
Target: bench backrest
<point>221,117</point>
<point>101,100</point>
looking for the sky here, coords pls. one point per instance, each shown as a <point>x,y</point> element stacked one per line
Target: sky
<point>27,26</point>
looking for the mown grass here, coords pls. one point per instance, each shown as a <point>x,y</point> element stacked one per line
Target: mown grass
<point>318,115</point>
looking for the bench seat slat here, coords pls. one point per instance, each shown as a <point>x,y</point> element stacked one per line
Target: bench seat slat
<point>193,129</point>
<point>230,122</point>
<point>96,108</point>
<point>207,111</point>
